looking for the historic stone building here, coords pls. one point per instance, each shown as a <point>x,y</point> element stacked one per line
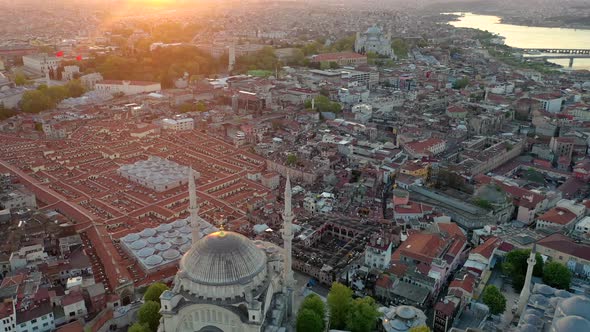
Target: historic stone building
<point>373,40</point>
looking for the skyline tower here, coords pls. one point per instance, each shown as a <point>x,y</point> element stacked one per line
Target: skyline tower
<point>288,240</point>
<point>193,207</point>
<point>526,288</point>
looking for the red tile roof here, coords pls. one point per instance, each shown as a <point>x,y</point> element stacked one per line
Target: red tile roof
<point>487,248</point>
<point>559,216</point>
<point>564,244</point>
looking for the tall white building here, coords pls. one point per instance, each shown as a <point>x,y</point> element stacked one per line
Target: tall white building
<point>40,63</point>
<point>373,40</point>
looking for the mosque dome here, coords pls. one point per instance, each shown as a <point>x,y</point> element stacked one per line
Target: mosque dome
<point>229,258</point>
<point>574,306</point>
<point>374,30</point>
<point>571,324</point>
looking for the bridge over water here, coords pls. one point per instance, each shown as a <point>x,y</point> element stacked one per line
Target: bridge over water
<point>557,53</point>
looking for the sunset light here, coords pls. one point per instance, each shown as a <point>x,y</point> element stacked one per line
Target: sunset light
<point>294,165</point>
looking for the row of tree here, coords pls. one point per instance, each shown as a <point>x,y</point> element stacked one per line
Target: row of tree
<point>164,65</point>
<point>356,315</point>
<point>149,313</point>
<point>324,104</point>
<point>44,97</point>
<point>553,273</point>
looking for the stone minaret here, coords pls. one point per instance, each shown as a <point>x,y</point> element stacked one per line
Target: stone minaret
<point>193,207</point>
<point>288,239</point>
<point>526,289</point>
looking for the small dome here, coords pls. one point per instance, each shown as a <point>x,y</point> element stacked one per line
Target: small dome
<point>374,30</point>
<point>543,289</point>
<point>230,259</point>
<point>155,239</point>
<point>570,324</point>
<point>179,223</point>
<point>533,320</point>
<point>527,328</point>
<point>163,246</point>
<point>147,232</point>
<point>153,260</point>
<point>184,248</point>
<point>398,325</point>
<point>185,230</point>
<point>171,234</point>
<point>138,244</point>
<point>539,300</point>
<point>171,254</point>
<point>145,252</point>
<point>563,293</point>
<point>179,240</point>
<point>130,238</point>
<point>574,306</point>
<point>164,228</point>
<point>405,312</point>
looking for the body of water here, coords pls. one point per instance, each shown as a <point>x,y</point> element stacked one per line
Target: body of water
<point>530,37</point>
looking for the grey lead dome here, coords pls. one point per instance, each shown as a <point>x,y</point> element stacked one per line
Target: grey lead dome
<point>223,258</point>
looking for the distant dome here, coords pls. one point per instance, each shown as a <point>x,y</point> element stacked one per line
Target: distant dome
<point>570,324</point>
<point>374,30</point>
<point>230,259</point>
<point>574,306</point>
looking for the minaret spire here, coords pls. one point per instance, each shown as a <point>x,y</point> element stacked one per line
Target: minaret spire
<point>193,207</point>
<point>287,240</point>
<point>526,289</point>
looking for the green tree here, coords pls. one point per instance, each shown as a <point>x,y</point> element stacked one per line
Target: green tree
<point>334,65</point>
<point>557,275</point>
<point>154,291</point>
<point>35,101</point>
<point>309,321</point>
<point>186,107</point>
<point>324,104</point>
<point>421,328</point>
<point>56,93</point>
<point>400,48</point>
<point>314,303</point>
<point>201,107</point>
<point>362,315</point>
<point>137,327</point>
<point>515,266</point>
<point>291,159</point>
<point>6,113</point>
<point>20,79</point>
<point>75,88</point>
<point>339,303</point>
<point>149,315</point>
<point>494,299</point>
<point>461,83</point>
